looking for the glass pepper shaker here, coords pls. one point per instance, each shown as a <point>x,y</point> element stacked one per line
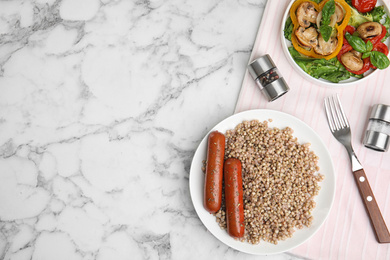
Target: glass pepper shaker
<point>377,135</point>
<point>267,77</point>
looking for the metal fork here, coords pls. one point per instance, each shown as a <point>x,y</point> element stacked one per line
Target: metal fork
<point>339,126</point>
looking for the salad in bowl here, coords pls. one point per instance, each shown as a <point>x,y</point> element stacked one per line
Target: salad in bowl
<point>337,41</point>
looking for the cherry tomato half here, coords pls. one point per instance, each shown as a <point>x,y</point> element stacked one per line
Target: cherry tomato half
<point>381,47</point>
<point>364,6</point>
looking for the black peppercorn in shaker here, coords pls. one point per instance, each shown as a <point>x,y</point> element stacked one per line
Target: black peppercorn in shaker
<point>268,78</point>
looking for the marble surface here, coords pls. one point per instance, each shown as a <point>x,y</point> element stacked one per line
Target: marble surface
<point>102,106</point>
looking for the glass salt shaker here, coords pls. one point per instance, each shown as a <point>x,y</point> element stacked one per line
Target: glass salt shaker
<point>377,135</point>
<point>267,77</point>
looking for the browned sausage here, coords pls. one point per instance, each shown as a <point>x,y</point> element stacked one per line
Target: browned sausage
<point>234,198</point>
<point>214,172</point>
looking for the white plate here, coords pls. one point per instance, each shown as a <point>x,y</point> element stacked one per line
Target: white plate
<point>324,199</point>
<point>286,43</point>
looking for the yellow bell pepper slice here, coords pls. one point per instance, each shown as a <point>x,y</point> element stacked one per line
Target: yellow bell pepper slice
<point>340,28</point>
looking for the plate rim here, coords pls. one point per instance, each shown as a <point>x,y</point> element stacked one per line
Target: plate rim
<point>320,81</point>
<point>202,213</point>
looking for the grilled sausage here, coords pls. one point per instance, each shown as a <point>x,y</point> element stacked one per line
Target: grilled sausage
<point>214,172</point>
<point>234,198</point>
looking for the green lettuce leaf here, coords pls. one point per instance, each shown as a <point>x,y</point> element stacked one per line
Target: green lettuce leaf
<point>288,29</point>
<point>331,70</point>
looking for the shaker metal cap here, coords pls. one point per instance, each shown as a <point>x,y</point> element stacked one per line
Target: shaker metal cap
<point>381,112</point>
<point>376,141</point>
<point>276,89</point>
<point>260,65</point>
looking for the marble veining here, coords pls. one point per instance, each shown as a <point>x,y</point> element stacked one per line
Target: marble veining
<point>102,106</point>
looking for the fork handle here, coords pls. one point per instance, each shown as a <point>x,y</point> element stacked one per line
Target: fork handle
<point>379,225</point>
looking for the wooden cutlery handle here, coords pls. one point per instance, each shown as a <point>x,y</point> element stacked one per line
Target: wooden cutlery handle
<point>381,231</point>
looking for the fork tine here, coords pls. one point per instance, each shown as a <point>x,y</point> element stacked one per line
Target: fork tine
<point>338,115</point>
<point>328,115</point>
<point>341,111</point>
<point>333,111</point>
<point>337,105</point>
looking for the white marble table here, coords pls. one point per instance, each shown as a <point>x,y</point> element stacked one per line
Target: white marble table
<point>102,106</point>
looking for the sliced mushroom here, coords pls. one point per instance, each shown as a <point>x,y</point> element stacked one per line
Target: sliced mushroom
<point>369,30</point>
<point>352,60</point>
<point>357,54</point>
<point>339,13</point>
<point>306,14</point>
<point>326,48</point>
<point>307,37</point>
<point>337,17</point>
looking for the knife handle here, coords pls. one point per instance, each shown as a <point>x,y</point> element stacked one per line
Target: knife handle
<point>379,225</point>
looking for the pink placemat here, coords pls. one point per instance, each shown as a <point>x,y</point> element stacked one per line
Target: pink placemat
<point>347,233</point>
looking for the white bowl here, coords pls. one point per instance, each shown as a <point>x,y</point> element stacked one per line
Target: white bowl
<point>351,81</point>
